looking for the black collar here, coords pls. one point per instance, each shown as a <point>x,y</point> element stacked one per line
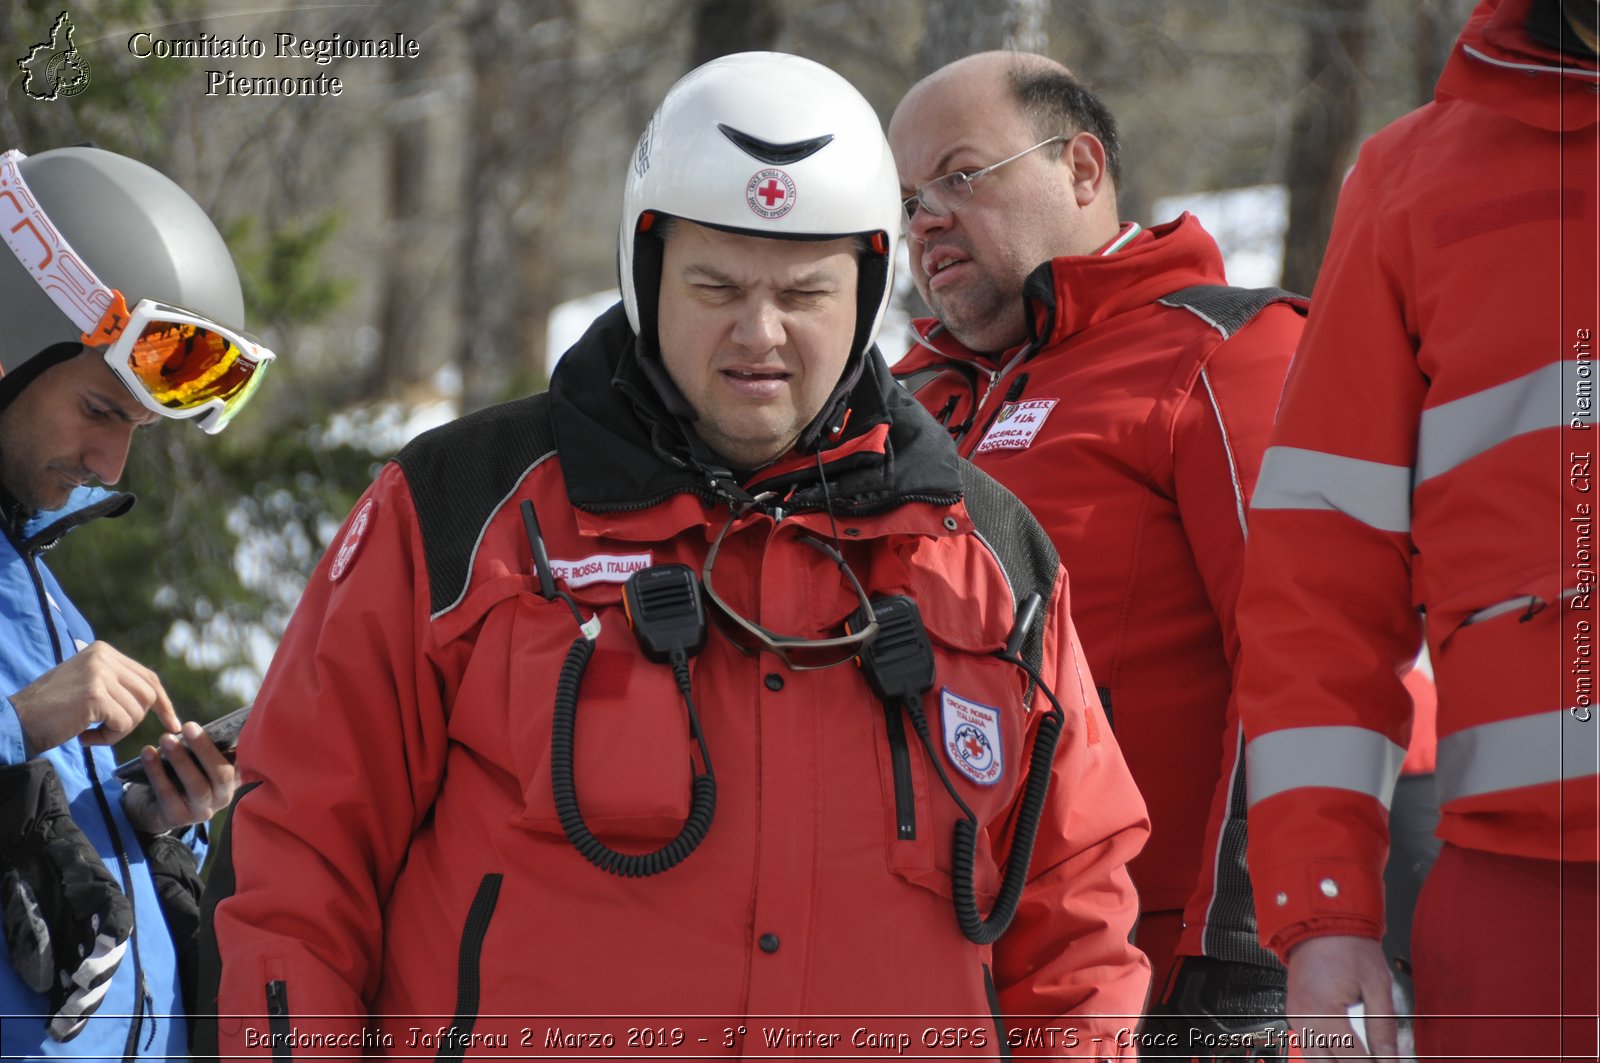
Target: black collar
<point>623,447</point>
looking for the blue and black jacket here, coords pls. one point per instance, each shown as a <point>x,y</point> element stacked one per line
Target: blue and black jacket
<point>142,1015</point>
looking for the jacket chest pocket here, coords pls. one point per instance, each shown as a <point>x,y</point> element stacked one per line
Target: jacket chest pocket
<point>976,728</point>
<point>624,722</point>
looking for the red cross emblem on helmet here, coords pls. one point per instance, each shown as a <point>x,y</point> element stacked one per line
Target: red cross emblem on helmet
<point>770,193</point>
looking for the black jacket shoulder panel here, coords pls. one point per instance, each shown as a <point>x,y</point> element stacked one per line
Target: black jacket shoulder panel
<point>1228,309</point>
<point>914,381</point>
<point>460,474</point>
<point>1025,552</point>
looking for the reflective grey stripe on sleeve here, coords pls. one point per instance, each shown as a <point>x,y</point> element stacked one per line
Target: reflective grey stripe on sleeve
<point>1461,430</point>
<point>1346,758</point>
<point>1508,754</point>
<point>1376,494</point>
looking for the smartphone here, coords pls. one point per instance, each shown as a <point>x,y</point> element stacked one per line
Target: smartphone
<point>224,731</point>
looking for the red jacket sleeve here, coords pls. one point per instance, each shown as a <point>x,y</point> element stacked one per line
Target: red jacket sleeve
<point>340,760</point>
<point>1218,440</point>
<point>1058,1000</point>
<point>1326,614</point>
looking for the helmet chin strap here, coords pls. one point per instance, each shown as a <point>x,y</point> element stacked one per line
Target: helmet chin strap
<point>823,429</point>
<point>826,426</point>
<point>655,371</point>
<point>719,476</point>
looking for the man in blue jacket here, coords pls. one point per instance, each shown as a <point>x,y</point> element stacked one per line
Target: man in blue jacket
<point>114,292</point>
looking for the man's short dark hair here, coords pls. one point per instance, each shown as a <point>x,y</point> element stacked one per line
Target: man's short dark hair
<point>1055,102</point>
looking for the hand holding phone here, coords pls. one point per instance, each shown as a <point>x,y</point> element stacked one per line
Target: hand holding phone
<point>224,731</point>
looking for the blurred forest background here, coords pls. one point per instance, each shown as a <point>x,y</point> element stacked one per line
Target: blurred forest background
<point>404,244</point>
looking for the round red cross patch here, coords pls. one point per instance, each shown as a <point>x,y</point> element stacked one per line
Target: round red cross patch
<point>352,540</point>
<point>770,193</point>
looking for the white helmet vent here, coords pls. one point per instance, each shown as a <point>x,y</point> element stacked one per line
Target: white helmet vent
<point>774,154</point>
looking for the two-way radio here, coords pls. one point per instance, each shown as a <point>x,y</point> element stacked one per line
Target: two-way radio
<point>899,667</point>
<point>663,607</point>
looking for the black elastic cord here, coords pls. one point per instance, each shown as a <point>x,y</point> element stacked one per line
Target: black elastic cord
<point>702,788</point>
<point>563,725</point>
<point>919,723</point>
<point>827,504</point>
<point>964,848</point>
<point>541,563</point>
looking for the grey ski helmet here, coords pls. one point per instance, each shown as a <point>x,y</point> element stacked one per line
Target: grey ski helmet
<point>136,229</point>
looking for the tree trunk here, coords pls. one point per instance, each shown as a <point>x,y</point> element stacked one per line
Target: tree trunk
<point>522,70</point>
<point>405,298</point>
<point>723,27</point>
<point>1323,138</point>
<point>1436,27</point>
<point>486,331</point>
<point>954,28</point>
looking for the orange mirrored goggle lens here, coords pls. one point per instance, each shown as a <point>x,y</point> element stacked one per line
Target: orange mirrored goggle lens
<point>184,366</point>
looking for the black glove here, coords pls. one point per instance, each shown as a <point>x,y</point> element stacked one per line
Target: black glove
<point>66,921</point>
<point>1219,1010</point>
<point>176,875</point>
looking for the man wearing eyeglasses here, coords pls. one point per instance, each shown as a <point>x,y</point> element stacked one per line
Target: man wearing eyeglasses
<point>97,882</point>
<point>1106,374</point>
<point>508,790</point>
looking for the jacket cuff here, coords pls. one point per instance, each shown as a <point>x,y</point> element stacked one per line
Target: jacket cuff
<point>1286,940</point>
<point>13,747</point>
<point>1316,898</point>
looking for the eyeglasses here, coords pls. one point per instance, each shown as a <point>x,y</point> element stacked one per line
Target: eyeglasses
<point>945,195</point>
<point>798,654</point>
<point>176,362</point>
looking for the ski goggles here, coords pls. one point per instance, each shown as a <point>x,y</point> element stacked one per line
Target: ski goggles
<point>797,654</point>
<point>175,361</point>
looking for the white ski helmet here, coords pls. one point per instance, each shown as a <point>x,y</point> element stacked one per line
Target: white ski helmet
<point>763,144</point>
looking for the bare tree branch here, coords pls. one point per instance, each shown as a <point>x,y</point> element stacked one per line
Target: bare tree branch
<point>1325,131</point>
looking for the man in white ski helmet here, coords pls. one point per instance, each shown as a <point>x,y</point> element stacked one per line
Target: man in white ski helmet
<point>541,785</point>
<point>118,306</point>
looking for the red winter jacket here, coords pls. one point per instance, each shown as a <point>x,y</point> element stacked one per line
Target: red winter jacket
<point>1434,451</point>
<point>1132,426</point>
<point>397,861</point>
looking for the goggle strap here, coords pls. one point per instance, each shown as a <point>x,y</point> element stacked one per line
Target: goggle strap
<point>64,276</point>
<point>111,323</point>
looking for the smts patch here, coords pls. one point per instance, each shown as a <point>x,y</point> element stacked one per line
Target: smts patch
<point>1016,425</point>
<point>972,738</point>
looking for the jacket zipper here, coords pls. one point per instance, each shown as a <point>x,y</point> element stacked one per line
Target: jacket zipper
<point>139,990</point>
<point>905,801</point>
<point>468,968</point>
<point>1013,393</point>
<point>962,431</point>
<point>1105,703</point>
<point>1003,1042</point>
<point>32,560</point>
<point>278,1020</point>
<point>131,1048</point>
